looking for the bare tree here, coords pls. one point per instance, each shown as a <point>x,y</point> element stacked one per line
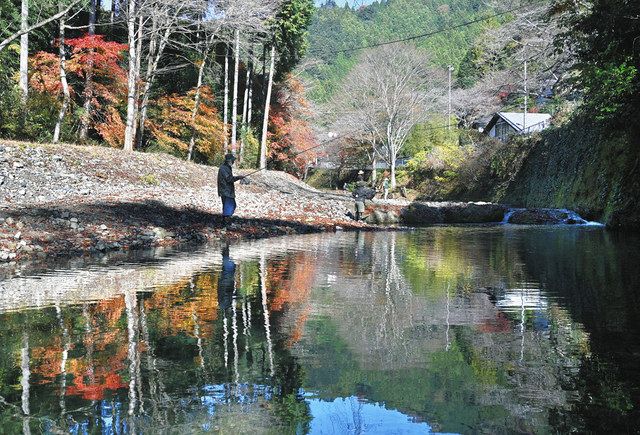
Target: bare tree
<point>226,101</point>
<point>66,95</point>
<point>168,23</point>
<point>234,105</point>
<point>132,15</point>
<point>390,91</point>
<point>23,31</point>
<point>528,39</point>
<point>166,20</point>
<point>24,51</point>
<point>265,121</point>
<point>88,84</point>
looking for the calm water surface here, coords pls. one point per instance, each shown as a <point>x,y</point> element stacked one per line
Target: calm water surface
<point>451,330</point>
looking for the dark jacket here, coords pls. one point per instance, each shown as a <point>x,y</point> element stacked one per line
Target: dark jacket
<point>226,180</point>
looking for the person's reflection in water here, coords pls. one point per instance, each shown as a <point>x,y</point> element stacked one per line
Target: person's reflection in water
<point>227,280</point>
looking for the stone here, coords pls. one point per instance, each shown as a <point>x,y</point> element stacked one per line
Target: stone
<point>65,215</point>
<point>474,213</point>
<point>418,213</point>
<point>18,235</point>
<point>101,246</point>
<point>73,220</point>
<point>19,225</point>
<point>159,232</point>
<point>56,158</point>
<point>22,192</point>
<point>18,165</point>
<point>103,227</point>
<point>9,221</point>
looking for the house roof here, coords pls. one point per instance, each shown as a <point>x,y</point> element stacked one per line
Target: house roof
<point>515,119</point>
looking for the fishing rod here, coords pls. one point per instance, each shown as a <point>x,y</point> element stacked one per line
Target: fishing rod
<point>307,150</point>
<point>332,140</point>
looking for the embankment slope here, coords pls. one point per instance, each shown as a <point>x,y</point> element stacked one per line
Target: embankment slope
<point>592,169</point>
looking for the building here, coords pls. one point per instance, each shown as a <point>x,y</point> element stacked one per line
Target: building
<point>506,124</point>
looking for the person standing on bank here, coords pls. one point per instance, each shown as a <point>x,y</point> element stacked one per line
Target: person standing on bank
<point>359,195</point>
<point>385,187</point>
<point>226,186</point>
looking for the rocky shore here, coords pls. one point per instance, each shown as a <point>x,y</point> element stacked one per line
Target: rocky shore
<point>67,200</point>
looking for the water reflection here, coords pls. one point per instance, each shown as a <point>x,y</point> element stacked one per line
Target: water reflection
<point>442,330</point>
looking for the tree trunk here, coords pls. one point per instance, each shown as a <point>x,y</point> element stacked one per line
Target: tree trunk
<point>374,174</point>
<point>225,128</point>
<point>245,107</point>
<point>234,110</point>
<point>129,133</point>
<point>250,102</point>
<point>88,84</point>
<point>24,52</point>
<point>25,30</point>
<point>392,165</point>
<point>136,100</point>
<point>192,141</point>
<point>114,10</point>
<point>156,48</point>
<point>65,86</point>
<point>265,121</point>
<point>246,104</point>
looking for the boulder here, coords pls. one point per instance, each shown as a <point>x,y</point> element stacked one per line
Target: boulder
<point>543,216</point>
<point>473,213</point>
<point>418,213</point>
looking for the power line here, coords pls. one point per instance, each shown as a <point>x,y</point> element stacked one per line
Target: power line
<point>425,35</point>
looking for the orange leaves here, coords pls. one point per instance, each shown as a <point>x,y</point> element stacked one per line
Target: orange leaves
<point>290,133</point>
<point>46,73</point>
<point>174,124</point>
<point>112,128</point>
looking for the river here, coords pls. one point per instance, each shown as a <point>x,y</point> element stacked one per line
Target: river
<point>496,329</point>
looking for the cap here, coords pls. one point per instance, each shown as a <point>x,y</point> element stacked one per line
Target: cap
<point>229,157</point>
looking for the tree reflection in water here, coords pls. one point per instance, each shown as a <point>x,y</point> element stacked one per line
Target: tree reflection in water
<point>452,329</point>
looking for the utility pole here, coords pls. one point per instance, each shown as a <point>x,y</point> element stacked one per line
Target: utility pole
<point>449,107</point>
<point>526,100</point>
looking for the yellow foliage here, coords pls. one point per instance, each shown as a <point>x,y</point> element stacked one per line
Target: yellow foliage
<point>174,124</point>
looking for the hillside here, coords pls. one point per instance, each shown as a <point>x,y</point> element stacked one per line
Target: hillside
<point>338,28</point>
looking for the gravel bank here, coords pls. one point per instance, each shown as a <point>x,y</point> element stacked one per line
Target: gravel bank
<point>69,199</point>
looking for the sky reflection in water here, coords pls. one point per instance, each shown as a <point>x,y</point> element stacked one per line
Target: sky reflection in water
<point>451,329</point>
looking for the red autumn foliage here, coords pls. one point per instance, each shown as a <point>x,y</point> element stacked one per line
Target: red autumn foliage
<point>108,80</point>
<point>289,131</point>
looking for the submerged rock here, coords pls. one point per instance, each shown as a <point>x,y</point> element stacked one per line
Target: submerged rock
<point>544,216</point>
<point>419,213</point>
<point>381,217</point>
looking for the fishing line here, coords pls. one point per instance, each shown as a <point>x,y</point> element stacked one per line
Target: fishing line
<point>333,140</point>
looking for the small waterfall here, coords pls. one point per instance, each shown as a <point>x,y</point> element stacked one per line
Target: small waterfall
<point>545,216</point>
<point>509,213</point>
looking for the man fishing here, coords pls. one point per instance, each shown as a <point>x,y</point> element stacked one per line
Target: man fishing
<point>226,187</point>
<point>361,193</point>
